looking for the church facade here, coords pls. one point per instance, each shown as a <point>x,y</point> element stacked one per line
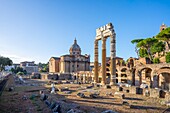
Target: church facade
<point>70,63</point>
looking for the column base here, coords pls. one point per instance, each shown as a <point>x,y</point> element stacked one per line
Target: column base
<point>103,83</point>
<point>95,82</point>
<point>113,80</point>
<point>112,83</point>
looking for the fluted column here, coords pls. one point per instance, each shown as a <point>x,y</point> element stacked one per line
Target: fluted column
<point>96,61</point>
<point>113,59</point>
<point>103,82</point>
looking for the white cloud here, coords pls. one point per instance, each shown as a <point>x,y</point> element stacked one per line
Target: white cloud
<point>13,56</point>
<point>17,59</point>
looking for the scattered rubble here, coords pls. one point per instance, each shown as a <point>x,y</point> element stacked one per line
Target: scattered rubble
<point>81,95</point>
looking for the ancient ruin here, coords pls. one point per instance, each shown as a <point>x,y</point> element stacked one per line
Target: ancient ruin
<point>102,34</point>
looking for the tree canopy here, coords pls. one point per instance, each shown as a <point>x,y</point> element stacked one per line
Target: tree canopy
<point>148,47</point>
<point>18,69</point>
<point>168,57</point>
<point>136,41</point>
<point>164,35</point>
<point>4,61</point>
<point>43,67</point>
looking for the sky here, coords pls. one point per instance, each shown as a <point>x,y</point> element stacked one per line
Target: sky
<point>35,30</point>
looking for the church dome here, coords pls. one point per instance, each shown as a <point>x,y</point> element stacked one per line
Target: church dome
<point>75,49</point>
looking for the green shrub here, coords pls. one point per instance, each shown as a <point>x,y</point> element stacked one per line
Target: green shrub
<point>156,60</point>
<point>168,57</point>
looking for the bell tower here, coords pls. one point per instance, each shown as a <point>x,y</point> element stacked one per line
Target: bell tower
<point>163,27</point>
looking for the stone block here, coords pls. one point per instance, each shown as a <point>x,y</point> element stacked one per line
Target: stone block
<point>167,96</point>
<point>139,90</point>
<point>146,92</point>
<point>63,89</point>
<point>57,109</point>
<point>81,95</point>
<point>119,95</point>
<point>114,87</point>
<point>43,97</point>
<point>109,111</point>
<point>125,104</point>
<point>132,90</point>
<point>11,89</point>
<point>94,95</point>
<point>67,92</point>
<point>118,88</point>
<point>52,105</point>
<point>157,93</point>
<point>90,86</point>
<point>47,102</point>
<point>126,89</point>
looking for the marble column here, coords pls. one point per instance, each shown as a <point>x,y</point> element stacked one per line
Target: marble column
<point>103,82</point>
<point>96,61</point>
<point>113,59</point>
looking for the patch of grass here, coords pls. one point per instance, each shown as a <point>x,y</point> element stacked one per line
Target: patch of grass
<point>135,102</point>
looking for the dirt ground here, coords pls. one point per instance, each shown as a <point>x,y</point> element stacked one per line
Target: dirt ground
<point>13,102</point>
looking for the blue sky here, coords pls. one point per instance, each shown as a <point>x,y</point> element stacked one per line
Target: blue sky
<point>35,30</point>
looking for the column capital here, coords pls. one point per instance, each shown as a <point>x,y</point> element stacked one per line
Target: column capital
<point>96,41</point>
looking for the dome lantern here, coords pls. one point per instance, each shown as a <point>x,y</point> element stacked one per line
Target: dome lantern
<point>75,48</point>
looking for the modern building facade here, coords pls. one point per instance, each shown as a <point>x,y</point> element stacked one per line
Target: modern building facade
<point>30,67</point>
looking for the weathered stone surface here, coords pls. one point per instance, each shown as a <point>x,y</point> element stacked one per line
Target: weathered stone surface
<point>52,105</point>
<point>157,93</point>
<point>94,95</point>
<point>154,93</point>
<point>109,94</point>
<point>135,90</point>
<point>75,111</point>
<point>24,97</point>
<point>67,92</point>
<point>107,86</point>
<point>167,96</point>
<point>139,90</point>
<point>146,92</point>
<point>47,102</point>
<point>63,89</point>
<point>71,111</point>
<point>57,109</point>
<point>126,104</point>
<point>43,97</point>
<point>168,104</point>
<point>132,90</point>
<point>109,111</point>
<point>88,87</point>
<point>81,95</point>
<point>119,88</point>
<point>119,95</point>
<point>11,89</point>
<point>126,89</point>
